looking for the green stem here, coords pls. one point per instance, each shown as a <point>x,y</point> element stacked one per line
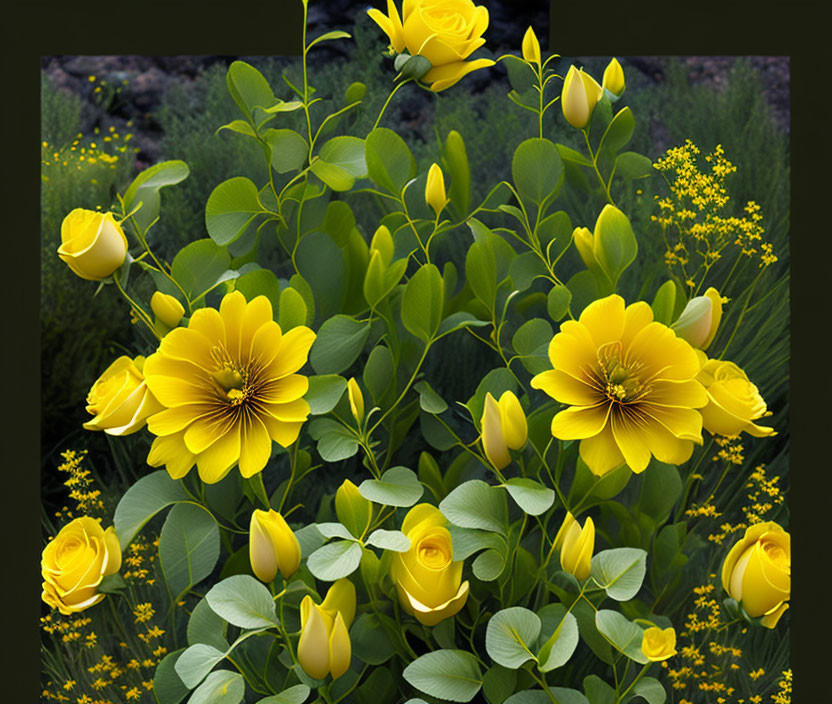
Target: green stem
<point>404,390</point>
<point>594,158</point>
<point>387,102</point>
<point>137,309</point>
<point>633,683</point>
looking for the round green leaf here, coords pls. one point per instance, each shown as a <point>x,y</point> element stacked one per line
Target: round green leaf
<point>144,500</point>
<point>289,150</point>
<point>390,163</point>
<point>220,687</point>
<point>624,635</point>
<point>325,390</point>
<point>196,662</point>
<point>619,571</point>
<point>511,635</point>
<point>475,504</point>
<point>189,547</point>
<point>453,675</point>
<point>422,302</point>
<point>529,495</point>
<point>339,342</point>
<point>536,169</point>
<point>242,601</point>
<point>340,162</point>
<point>230,209</point>
<point>335,560</point>
<point>167,685</point>
<point>398,486</point>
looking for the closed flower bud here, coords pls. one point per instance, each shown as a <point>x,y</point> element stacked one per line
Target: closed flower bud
<point>356,400</point>
<point>120,400</point>
<point>435,190</point>
<point>167,309</point>
<point>382,242</point>
<point>700,319</point>
<point>578,97</point>
<point>504,427</point>
<point>74,563</point>
<point>658,644</point>
<point>92,244</point>
<point>613,79</point>
<point>576,546</point>
<point>734,403</point>
<point>757,572</point>
<point>585,243</point>
<point>353,510</point>
<point>324,647</point>
<point>272,546</point>
<point>531,47</point>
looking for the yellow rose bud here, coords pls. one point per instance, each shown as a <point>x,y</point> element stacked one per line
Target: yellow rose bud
<point>734,403</point>
<point>503,426</point>
<point>324,647</point>
<point>576,546</point>
<point>382,242</point>
<point>356,400</point>
<point>272,546</point>
<point>353,510</point>
<point>92,244</point>
<point>613,79</point>
<point>700,319</point>
<point>716,314</point>
<point>435,190</point>
<point>658,644</point>
<point>578,97</point>
<point>531,47</point>
<point>757,572</point>
<point>120,400</point>
<point>445,33</point>
<point>167,309</point>
<point>74,563</point>
<point>585,244</point>
<point>428,581</point>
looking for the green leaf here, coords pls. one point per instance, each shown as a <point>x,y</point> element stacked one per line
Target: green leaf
<point>498,683</point>
<point>310,538</point>
<point>379,282</point>
<point>525,268</point>
<point>220,687</point>
<point>289,150</point>
<point>555,234</point>
<point>145,189</point>
<point>335,442</point>
<point>422,303</point>
<point>327,36</point>
<point>536,169</point>
<point>475,504</point>
<point>144,500</point>
<point>521,76</point>
<point>481,271</point>
<point>576,157</point>
<point>651,690</point>
<point>260,282</point>
<point>198,266</point>
<point>531,342</point>
<point>661,487</point>
<point>616,245</point>
<point>467,541</point>
<point>111,584</point>
<point>619,132</point>
<point>455,161</point>
<point>393,540</point>
<point>619,571</point>
<point>189,547</point>
<point>664,303</point>
<point>335,560</point>
<point>339,342</point>
<point>624,635</point>
<point>598,691</point>
<point>204,626</point>
<point>560,645</point>
<point>511,635</point>
<point>531,496</point>
<point>370,642</point>
<point>379,371</point>
<point>293,695</point>
<point>168,688</point>
<point>631,165</point>
<point>452,675</point>
<point>584,289</point>
<point>230,209</point>
<point>292,311</point>
<point>340,162</point>
<point>248,88</point>
<point>557,302</point>
<point>585,615</point>
<point>239,126</point>
<point>458,321</point>
<point>339,221</point>
<point>489,565</point>
<point>243,601</point>
<point>196,662</point>
<point>390,163</point>
<point>429,400</point>
<point>335,530</point>
<point>398,486</point>
<point>325,390</point>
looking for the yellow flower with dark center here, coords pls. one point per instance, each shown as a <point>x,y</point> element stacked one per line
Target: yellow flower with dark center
<point>229,386</point>
<point>631,386</point>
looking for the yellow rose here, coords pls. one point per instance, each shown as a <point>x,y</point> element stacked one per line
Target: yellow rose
<point>92,244</point>
<point>757,572</point>
<point>734,403</point>
<point>613,79</point>
<point>503,426</point>
<point>576,545</point>
<point>426,577</point>
<point>272,546</point>
<point>324,647</point>
<point>658,644</point>
<point>445,32</point>
<point>74,563</point>
<point>578,97</point>
<point>120,399</point>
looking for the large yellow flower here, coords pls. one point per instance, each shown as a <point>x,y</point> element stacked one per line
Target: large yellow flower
<point>229,386</point>
<point>631,386</point>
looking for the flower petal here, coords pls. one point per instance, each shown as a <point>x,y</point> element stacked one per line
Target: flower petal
<point>293,352</point>
<point>578,422</point>
<point>604,319</point>
<point>601,453</point>
<point>284,434</point>
<point>219,458</point>
<point>171,451</point>
<point>255,447</point>
<point>442,77</point>
<point>566,388</point>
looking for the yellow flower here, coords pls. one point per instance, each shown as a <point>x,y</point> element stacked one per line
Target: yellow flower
<point>757,572</point>
<point>445,32</point>
<point>631,386</point>
<point>734,403</point>
<point>700,319</point>
<point>324,647</point>
<point>167,309</point>
<point>74,563</point>
<point>435,190</point>
<point>578,97</point>
<point>426,577</point>
<point>613,79</point>
<point>356,399</point>
<point>272,546</point>
<point>92,244</point>
<point>658,644</point>
<point>531,47</point>
<point>575,545</point>
<point>503,426</point>
<point>120,400</point>
<point>229,385</point>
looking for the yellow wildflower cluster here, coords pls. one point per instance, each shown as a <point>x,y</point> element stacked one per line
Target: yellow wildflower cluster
<point>139,562</point>
<point>695,228</point>
<point>91,158</point>
<point>730,450</point>
<point>763,495</point>
<point>784,696</point>
<point>80,483</point>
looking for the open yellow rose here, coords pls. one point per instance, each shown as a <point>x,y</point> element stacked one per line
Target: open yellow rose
<point>120,399</point>
<point>658,644</point>
<point>734,403</point>
<point>757,572</point>
<point>74,563</point>
<point>92,244</point>
<point>445,32</point>
<point>426,577</point>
